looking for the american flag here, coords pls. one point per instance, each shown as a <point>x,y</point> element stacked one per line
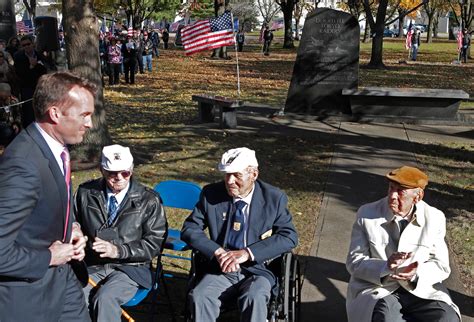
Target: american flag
<point>208,34</point>
<point>25,26</point>
<point>459,38</point>
<point>130,28</point>
<point>278,24</point>
<point>408,40</point>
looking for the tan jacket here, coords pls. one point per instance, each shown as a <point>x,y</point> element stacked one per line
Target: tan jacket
<point>372,244</point>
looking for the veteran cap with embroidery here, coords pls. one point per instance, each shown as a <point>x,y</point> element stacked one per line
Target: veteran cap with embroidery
<point>408,177</point>
<point>237,160</point>
<point>116,158</point>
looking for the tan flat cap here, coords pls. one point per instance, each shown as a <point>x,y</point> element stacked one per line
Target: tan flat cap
<point>408,177</point>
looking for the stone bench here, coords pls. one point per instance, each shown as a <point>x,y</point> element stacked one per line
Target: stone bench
<point>226,107</point>
<point>414,103</point>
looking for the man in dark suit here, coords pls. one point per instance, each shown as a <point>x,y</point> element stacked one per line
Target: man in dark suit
<point>29,67</point>
<point>41,246</point>
<point>249,224</point>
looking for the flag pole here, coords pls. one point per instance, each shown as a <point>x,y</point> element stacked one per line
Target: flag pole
<point>236,55</point>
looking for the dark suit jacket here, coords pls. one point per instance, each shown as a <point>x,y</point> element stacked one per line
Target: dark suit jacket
<point>33,202</point>
<point>268,213</point>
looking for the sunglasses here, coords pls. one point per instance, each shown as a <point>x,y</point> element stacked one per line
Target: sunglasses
<point>124,174</point>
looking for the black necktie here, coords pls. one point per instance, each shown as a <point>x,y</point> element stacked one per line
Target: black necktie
<point>402,224</point>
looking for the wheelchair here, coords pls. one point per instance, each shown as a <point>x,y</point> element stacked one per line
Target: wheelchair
<point>285,299</point>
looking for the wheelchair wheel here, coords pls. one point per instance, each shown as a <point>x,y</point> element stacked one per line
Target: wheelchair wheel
<point>291,290</point>
<point>294,291</point>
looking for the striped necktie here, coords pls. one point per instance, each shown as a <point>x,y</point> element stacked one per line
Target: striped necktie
<point>67,177</point>
<point>113,210</point>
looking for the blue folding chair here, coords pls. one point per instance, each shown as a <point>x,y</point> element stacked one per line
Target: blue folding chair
<point>182,195</point>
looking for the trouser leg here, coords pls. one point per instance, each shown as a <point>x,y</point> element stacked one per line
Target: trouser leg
<point>207,297</point>
<point>388,309</point>
<point>127,72</point>
<point>253,299</point>
<point>418,309</point>
<point>132,71</point>
<point>116,288</point>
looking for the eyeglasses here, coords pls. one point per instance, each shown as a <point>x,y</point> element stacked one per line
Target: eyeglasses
<point>124,174</point>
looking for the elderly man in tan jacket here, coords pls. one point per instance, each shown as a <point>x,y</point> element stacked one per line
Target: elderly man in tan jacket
<point>398,257</point>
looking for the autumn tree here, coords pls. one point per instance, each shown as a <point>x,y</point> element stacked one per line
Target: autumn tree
<point>463,12</point>
<point>246,12</point>
<point>287,7</point>
<point>138,10</point>
<point>404,8</point>
<point>432,9</point>
<point>268,9</point>
<point>300,6</point>
<point>30,6</point>
<point>377,25</point>
<point>81,31</point>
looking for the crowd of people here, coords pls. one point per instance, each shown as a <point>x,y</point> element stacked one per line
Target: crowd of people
<point>21,65</point>
<point>125,53</point>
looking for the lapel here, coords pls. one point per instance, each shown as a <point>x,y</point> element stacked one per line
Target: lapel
<point>257,215</point>
<point>223,215</point>
<point>53,166</point>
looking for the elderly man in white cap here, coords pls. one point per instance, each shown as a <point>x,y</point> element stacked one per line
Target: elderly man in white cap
<point>398,257</point>
<point>126,226</point>
<point>249,224</point>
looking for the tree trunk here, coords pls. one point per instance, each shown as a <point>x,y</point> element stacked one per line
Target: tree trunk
<point>366,38</point>
<point>435,25</point>
<point>377,41</point>
<point>400,26</point>
<point>287,9</point>
<point>377,49</point>
<point>429,35</point>
<point>81,32</point>
<point>297,32</point>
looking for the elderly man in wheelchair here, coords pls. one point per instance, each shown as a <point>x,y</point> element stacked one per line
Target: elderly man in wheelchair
<point>249,224</point>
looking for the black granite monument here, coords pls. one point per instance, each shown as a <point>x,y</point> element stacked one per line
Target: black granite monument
<point>326,63</point>
<point>7,20</point>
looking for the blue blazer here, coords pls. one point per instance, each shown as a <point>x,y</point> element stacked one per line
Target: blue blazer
<point>33,203</point>
<point>271,231</point>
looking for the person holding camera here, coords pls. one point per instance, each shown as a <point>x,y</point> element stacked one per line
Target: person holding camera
<point>126,226</point>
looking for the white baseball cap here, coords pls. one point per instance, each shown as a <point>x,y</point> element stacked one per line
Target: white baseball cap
<point>116,158</point>
<point>237,160</point>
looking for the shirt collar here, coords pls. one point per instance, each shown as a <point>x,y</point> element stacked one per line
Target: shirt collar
<point>246,199</point>
<point>119,196</point>
<point>55,147</point>
<point>413,216</point>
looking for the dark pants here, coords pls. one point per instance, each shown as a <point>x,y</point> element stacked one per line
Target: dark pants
<point>464,54</point>
<point>140,63</point>
<point>114,74</point>
<point>165,44</point>
<point>240,46</point>
<point>266,47</point>
<point>404,306</point>
<point>130,67</point>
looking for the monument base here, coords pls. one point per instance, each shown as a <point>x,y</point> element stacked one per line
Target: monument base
<point>405,102</point>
